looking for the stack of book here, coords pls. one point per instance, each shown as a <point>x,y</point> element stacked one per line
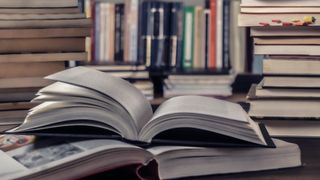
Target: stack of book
<point>287,34</point>
<point>187,136</point>
<point>207,85</point>
<point>37,37</point>
<point>138,76</point>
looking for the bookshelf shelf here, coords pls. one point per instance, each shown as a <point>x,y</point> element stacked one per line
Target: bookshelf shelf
<point>168,45</point>
<point>189,72</point>
<point>200,72</point>
<point>113,63</point>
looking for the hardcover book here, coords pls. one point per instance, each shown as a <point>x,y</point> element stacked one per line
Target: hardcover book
<point>188,37</point>
<point>108,126</point>
<point>27,157</point>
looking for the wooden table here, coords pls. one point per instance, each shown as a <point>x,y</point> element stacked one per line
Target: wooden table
<point>310,150</point>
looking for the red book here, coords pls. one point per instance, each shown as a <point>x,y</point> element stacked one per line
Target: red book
<point>213,34</point>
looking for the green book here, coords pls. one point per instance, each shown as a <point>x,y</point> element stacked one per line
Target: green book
<point>188,37</point>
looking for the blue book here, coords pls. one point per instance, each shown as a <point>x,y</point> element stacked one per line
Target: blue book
<point>156,33</point>
<point>176,34</point>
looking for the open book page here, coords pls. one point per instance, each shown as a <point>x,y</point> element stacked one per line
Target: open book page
<point>60,96</point>
<point>205,106</point>
<point>68,90</point>
<point>207,114</point>
<point>81,157</point>
<point>120,90</point>
<point>67,114</point>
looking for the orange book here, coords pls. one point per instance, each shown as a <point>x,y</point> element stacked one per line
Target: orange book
<point>213,31</point>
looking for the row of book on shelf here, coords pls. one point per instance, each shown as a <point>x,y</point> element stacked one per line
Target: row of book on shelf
<point>61,32</point>
<point>168,35</point>
<point>163,34</point>
<point>287,34</point>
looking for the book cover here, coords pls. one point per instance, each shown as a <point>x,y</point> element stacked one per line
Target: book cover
<point>119,31</point>
<point>176,34</point>
<point>161,36</point>
<point>131,31</point>
<point>213,32</point>
<point>226,34</point>
<point>219,34</point>
<point>198,41</point>
<point>156,34</point>
<point>188,37</point>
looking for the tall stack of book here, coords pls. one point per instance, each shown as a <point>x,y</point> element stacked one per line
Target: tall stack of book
<point>287,33</point>
<point>37,38</point>
<point>206,85</point>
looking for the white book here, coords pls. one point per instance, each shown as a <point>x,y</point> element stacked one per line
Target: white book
<point>118,109</point>
<point>219,36</point>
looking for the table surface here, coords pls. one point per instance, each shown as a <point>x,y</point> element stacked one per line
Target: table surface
<point>310,152</point>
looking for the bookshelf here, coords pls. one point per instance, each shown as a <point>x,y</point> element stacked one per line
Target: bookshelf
<point>230,39</point>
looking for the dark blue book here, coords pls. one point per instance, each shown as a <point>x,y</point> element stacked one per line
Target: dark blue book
<point>156,34</point>
<point>176,34</point>
<point>81,5</point>
<point>146,33</point>
<point>119,33</point>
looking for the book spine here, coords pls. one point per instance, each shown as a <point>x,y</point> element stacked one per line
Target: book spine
<point>166,35</point>
<point>176,34</point>
<point>155,31</point>
<point>98,33</point>
<point>132,32</point>
<point>188,49</point>
<point>160,43</point>
<point>82,5</point>
<point>93,30</point>
<point>213,32</point>
<point>140,50</point>
<point>146,19</point>
<point>206,43</point>
<point>111,27</point>
<point>219,35</point>
<point>102,37</point>
<point>197,56</point>
<point>106,36</point>
<point>88,8</point>
<point>119,30</point>
<point>226,34</point>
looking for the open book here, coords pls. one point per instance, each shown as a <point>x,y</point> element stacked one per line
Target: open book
<point>89,103</point>
<point>67,158</point>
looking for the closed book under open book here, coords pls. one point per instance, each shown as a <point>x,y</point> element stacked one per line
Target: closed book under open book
<point>88,103</point>
<point>27,157</point>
